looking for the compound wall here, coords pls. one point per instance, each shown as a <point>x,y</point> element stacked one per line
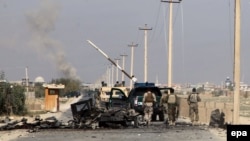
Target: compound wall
<point>205,109</point>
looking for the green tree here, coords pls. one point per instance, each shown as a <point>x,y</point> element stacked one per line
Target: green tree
<point>12,97</point>
<point>2,98</point>
<point>18,99</point>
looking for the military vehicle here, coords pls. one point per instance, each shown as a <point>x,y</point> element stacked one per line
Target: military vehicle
<point>136,96</point>
<point>105,92</point>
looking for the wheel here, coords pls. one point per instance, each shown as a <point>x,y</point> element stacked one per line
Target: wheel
<point>161,116</point>
<point>154,117</point>
<point>102,124</point>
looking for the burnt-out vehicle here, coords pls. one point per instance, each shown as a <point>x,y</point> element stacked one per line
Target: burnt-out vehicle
<point>114,113</point>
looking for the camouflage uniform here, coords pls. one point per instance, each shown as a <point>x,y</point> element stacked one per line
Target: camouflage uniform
<point>193,100</point>
<point>148,101</point>
<point>172,107</point>
<point>164,106</point>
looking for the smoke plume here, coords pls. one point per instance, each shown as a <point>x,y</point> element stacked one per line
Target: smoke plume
<point>41,23</point>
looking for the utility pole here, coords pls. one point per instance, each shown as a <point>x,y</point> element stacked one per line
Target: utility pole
<point>112,75</point>
<point>123,66</point>
<point>117,62</point>
<point>132,61</point>
<point>170,39</point>
<point>237,62</point>
<point>109,76</point>
<point>145,52</point>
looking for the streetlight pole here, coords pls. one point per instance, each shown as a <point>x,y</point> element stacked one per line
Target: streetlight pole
<point>132,61</point>
<point>145,52</point>
<point>170,39</point>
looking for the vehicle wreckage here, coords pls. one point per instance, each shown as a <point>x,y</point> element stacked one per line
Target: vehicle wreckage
<point>115,113</point>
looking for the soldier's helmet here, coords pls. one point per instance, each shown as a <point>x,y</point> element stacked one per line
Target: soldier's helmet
<point>149,91</point>
<point>194,90</point>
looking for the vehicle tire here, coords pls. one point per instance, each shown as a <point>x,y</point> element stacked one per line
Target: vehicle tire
<point>154,117</point>
<point>136,122</point>
<point>101,124</point>
<point>131,106</point>
<point>161,116</point>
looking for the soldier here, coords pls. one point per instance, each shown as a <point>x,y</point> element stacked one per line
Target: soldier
<point>193,100</point>
<point>171,100</point>
<point>164,106</point>
<point>148,102</point>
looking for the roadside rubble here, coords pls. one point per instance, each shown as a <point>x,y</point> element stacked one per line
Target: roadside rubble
<point>33,125</point>
<point>85,116</point>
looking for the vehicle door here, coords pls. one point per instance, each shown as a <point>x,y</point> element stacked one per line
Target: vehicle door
<point>117,98</point>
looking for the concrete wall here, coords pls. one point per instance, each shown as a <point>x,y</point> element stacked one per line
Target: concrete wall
<point>205,109</point>
<point>34,104</point>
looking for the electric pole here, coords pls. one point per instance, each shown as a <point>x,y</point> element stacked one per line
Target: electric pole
<point>170,39</point>
<point>112,75</point>
<point>123,67</point>
<point>117,62</point>
<point>109,76</point>
<point>145,52</point>
<point>132,61</point>
<point>237,62</point>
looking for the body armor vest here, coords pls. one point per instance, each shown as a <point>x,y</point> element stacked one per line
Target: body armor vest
<point>149,97</point>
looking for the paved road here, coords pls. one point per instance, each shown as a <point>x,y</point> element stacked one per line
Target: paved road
<point>156,132</point>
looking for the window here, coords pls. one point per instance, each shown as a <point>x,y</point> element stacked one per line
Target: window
<point>52,92</point>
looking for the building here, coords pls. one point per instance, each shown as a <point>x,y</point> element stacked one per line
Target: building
<point>51,100</point>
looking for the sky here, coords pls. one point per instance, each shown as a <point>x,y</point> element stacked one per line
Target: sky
<point>50,39</point>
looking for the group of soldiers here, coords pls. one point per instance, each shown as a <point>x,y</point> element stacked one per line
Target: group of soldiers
<point>169,105</point>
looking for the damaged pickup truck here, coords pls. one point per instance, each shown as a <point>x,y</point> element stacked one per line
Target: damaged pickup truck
<point>114,113</point>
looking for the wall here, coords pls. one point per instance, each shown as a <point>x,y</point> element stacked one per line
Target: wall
<point>205,109</point>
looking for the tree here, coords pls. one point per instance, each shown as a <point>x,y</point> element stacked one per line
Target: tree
<point>18,98</point>
<point>12,99</point>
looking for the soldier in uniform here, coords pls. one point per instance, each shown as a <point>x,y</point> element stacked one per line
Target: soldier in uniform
<point>164,106</point>
<point>148,101</point>
<point>171,100</point>
<point>193,100</point>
